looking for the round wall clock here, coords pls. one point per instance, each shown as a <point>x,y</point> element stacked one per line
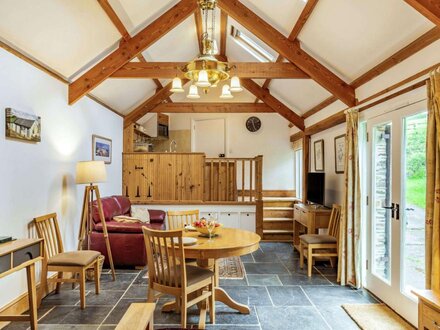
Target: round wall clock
<point>253,124</point>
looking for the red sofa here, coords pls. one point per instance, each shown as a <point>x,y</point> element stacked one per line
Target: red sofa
<point>126,239</point>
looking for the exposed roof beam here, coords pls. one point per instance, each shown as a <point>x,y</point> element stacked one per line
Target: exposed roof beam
<point>398,57</point>
<point>199,28</point>
<point>223,32</point>
<point>271,101</point>
<point>302,19</point>
<point>114,18</point>
<point>148,105</point>
<point>428,8</point>
<point>169,70</point>
<point>130,49</point>
<point>289,49</point>
<point>198,107</point>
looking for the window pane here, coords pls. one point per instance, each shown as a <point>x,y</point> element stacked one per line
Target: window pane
<point>382,198</point>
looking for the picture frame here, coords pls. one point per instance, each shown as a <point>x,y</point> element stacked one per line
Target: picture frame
<point>101,149</point>
<point>340,154</point>
<point>318,153</point>
<point>22,126</point>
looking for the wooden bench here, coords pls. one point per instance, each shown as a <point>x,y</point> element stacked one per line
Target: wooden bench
<point>139,316</point>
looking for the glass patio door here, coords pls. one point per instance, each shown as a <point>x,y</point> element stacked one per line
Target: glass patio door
<point>396,207</point>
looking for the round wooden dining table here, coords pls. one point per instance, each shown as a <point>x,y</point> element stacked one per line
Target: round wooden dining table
<point>228,243</point>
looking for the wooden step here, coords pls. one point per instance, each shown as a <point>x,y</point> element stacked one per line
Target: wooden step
<point>277,225</point>
<point>277,203</point>
<point>272,235</point>
<point>278,219</point>
<point>277,212</point>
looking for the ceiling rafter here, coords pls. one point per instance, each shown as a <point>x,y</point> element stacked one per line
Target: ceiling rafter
<point>210,107</point>
<point>274,103</point>
<point>169,70</point>
<point>289,50</point>
<point>199,27</point>
<point>130,49</point>
<point>415,46</point>
<point>114,18</point>
<point>223,32</point>
<point>300,23</point>
<point>428,8</point>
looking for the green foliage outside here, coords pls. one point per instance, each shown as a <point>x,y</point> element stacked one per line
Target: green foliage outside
<point>416,160</point>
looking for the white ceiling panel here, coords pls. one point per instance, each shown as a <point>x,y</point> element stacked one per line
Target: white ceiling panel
<point>180,44</point>
<point>124,94</point>
<point>136,14</point>
<point>281,14</point>
<point>300,94</point>
<point>65,35</point>
<point>352,36</point>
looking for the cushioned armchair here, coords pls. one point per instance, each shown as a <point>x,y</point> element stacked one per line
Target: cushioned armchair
<point>126,239</point>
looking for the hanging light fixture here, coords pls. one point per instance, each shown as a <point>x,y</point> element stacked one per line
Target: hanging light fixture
<point>206,71</point>
<point>176,87</point>
<point>235,85</point>
<point>226,93</point>
<point>193,92</point>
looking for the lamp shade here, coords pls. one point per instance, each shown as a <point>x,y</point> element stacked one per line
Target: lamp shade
<point>235,85</point>
<point>177,86</point>
<point>203,79</point>
<point>90,172</point>
<point>193,92</point>
<point>226,93</point>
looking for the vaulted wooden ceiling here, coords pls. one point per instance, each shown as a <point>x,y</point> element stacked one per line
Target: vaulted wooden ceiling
<point>124,52</point>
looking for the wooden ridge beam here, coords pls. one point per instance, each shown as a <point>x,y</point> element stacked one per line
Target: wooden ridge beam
<point>289,49</point>
<point>302,20</point>
<point>272,102</point>
<point>428,8</point>
<point>199,28</point>
<point>148,105</point>
<point>198,107</point>
<point>169,70</point>
<point>223,32</point>
<point>130,49</point>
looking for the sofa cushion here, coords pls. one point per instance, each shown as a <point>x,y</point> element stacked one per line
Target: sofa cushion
<point>123,227</point>
<point>110,208</point>
<point>157,216</point>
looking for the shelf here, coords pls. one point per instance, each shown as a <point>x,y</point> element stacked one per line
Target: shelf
<point>139,132</point>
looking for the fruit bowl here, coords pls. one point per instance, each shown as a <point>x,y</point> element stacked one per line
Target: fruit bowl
<point>201,227</point>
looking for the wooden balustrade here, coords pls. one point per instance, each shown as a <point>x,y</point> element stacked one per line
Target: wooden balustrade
<point>191,178</point>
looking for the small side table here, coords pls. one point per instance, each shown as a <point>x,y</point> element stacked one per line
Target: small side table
<point>429,309</point>
<point>14,256</point>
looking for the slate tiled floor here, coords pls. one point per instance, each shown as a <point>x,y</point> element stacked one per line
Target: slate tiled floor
<point>279,293</point>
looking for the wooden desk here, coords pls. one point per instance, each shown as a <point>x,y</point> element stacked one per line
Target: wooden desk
<point>14,256</point>
<point>230,242</point>
<point>311,218</point>
<point>429,309</point>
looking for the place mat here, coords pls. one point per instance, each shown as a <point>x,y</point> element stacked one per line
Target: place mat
<point>231,268</point>
<point>376,317</point>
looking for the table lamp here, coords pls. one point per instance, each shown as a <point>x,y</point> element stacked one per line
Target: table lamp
<point>90,173</point>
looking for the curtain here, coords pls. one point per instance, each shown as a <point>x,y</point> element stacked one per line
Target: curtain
<point>433,184</point>
<point>349,265</point>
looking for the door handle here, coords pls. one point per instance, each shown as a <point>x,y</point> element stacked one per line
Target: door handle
<point>409,209</point>
<point>395,210</point>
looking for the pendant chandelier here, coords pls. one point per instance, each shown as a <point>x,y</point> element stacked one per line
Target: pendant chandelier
<point>206,71</point>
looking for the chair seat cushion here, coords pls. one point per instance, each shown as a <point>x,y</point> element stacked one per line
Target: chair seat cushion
<point>194,274</point>
<point>317,239</point>
<point>74,258</point>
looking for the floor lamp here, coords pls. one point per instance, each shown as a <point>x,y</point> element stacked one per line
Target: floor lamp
<point>90,173</point>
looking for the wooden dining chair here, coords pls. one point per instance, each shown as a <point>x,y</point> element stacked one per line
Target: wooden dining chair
<point>178,219</point>
<point>56,260</point>
<point>168,273</point>
<point>318,245</point>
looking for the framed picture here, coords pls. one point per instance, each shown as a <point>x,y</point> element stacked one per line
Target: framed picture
<point>340,153</point>
<point>22,126</point>
<point>101,149</point>
<point>318,148</point>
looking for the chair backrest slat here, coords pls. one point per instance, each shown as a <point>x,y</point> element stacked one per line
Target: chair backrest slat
<point>48,229</point>
<point>178,219</point>
<point>334,223</point>
<point>165,257</point>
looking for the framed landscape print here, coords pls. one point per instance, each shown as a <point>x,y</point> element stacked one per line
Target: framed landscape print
<point>22,126</point>
<point>101,149</point>
<point>318,151</point>
<point>340,153</point>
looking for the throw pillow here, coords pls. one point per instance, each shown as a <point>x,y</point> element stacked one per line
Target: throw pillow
<point>141,213</point>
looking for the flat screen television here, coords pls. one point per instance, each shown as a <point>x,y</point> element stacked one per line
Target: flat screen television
<point>315,188</point>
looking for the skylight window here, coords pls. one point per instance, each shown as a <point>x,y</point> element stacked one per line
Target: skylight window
<point>251,46</point>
